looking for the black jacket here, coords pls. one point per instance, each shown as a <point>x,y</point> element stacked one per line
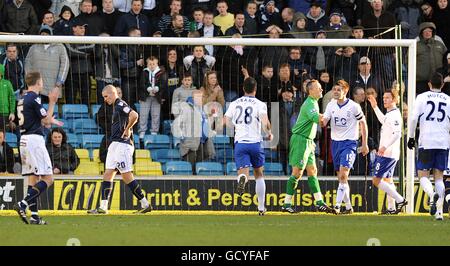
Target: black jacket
<point>20,20</point>
<point>64,157</point>
<point>160,81</point>
<point>79,54</point>
<point>109,21</point>
<point>101,60</point>
<point>6,159</point>
<point>95,23</point>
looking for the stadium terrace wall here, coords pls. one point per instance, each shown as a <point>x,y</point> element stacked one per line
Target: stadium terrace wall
<point>194,193</point>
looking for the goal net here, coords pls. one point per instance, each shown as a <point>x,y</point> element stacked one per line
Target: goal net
<point>166,79</point>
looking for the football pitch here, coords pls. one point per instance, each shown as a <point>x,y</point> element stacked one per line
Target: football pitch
<point>161,228</point>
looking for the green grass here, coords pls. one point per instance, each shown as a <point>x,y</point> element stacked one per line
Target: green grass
<point>223,229</point>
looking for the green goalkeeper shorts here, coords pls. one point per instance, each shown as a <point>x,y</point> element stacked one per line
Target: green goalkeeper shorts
<point>301,151</point>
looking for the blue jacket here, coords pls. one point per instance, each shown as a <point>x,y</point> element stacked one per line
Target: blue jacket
<point>129,20</point>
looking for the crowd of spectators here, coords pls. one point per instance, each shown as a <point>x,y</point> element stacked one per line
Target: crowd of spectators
<point>198,81</point>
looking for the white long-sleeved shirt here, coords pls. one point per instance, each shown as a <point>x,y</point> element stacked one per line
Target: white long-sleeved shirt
<point>391,132</point>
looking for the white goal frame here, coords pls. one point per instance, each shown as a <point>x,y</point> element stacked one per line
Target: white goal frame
<point>410,44</point>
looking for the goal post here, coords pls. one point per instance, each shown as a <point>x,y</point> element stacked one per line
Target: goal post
<point>409,44</point>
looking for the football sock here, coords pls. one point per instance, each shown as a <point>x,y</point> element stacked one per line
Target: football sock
<point>33,205</point>
<point>136,189</point>
<point>390,190</point>
<point>347,199</point>
<point>426,185</point>
<point>290,187</point>
<point>261,192</point>
<point>391,200</point>
<point>440,189</point>
<point>34,192</point>
<point>447,190</point>
<point>340,194</point>
<point>314,187</point>
<point>106,193</point>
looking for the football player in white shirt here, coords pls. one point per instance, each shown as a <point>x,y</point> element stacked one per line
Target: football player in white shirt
<point>247,114</point>
<point>389,149</point>
<point>345,118</point>
<point>432,111</point>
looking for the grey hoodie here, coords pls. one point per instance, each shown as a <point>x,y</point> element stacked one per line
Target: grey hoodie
<point>297,32</point>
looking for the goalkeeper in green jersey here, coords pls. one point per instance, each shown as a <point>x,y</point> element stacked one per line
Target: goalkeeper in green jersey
<point>302,147</point>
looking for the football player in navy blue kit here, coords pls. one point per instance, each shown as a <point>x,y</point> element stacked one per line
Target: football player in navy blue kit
<point>120,152</point>
<point>36,162</point>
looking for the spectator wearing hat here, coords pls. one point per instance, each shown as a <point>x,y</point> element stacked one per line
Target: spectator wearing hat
<point>336,28</point>
<point>299,27</point>
<point>19,17</point>
<point>74,6</point>
<point>430,54</point>
<point>78,81</point>
<point>365,78</point>
<point>51,60</point>
<point>62,26</point>
<point>316,17</point>
<point>347,8</point>
<point>269,15</point>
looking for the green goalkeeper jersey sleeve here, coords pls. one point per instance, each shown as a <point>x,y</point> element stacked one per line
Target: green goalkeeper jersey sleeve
<point>308,119</point>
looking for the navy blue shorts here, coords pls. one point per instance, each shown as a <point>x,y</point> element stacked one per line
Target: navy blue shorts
<point>384,167</point>
<point>248,154</point>
<point>344,153</point>
<point>432,159</point>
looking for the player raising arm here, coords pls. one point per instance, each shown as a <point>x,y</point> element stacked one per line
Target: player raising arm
<point>247,114</point>
<point>120,152</point>
<point>36,163</point>
<point>389,149</point>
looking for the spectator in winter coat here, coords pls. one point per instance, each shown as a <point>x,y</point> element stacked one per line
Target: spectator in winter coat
<point>6,155</point>
<point>63,25</point>
<point>63,156</point>
<point>19,17</point>
<point>198,64</point>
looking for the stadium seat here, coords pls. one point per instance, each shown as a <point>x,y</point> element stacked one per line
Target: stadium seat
<point>167,127</point>
<point>74,111</point>
<point>273,169</point>
<point>209,168</point>
<point>156,142</point>
<point>148,168</point>
<point>175,142</point>
<point>224,155</point>
<point>96,155</point>
<point>178,168</point>
<point>231,169</point>
<point>143,155</point>
<point>271,155</point>
<point>88,168</point>
<point>166,155</point>
<point>94,110</point>
<point>73,140</point>
<point>83,154</point>
<point>55,109</point>
<point>85,126</point>
<point>91,141</point>
<point>11,139</point>
<point>222,142</point>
